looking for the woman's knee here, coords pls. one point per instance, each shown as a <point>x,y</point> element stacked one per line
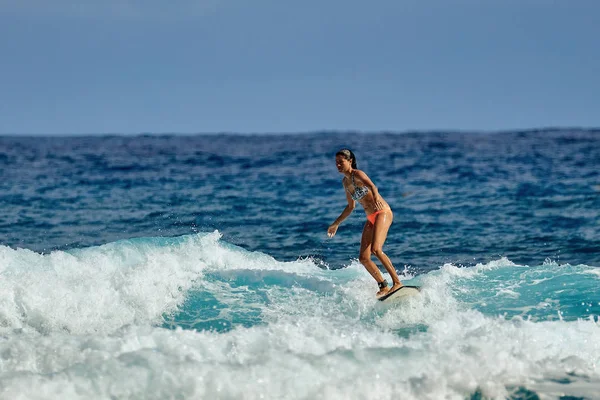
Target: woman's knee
<point>364,257</point>
<point>377,250</point>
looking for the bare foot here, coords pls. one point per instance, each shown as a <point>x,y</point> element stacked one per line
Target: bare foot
<point>383,291</point>
<point>396,286</point>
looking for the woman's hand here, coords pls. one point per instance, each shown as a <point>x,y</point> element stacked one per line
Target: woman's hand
<point>332,230</point>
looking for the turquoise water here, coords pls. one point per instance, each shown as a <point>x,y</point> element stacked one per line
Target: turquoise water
<point>195,316</point>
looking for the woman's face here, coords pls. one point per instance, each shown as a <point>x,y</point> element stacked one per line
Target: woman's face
<point>342,164</point>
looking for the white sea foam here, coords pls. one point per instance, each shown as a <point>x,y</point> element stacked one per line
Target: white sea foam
<point>309,357</point>
<point>92,332</point>
<point>595,272</point>
<point>101,289</point>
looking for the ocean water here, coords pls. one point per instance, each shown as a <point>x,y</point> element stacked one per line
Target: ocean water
<point>176,267</point>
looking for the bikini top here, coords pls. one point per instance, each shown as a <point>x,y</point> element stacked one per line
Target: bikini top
<point>359,191</point>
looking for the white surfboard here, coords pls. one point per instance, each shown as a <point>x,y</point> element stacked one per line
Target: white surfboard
<point>404,291</point>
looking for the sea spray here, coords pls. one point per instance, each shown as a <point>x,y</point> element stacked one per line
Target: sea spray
<point>132,319</point>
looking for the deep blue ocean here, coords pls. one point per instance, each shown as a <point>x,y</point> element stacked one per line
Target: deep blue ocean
<point>198,267</point>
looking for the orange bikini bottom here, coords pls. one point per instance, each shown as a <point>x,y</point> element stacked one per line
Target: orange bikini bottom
<point>371,217</point>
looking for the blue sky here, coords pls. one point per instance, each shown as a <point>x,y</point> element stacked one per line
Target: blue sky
<point>118,66</point>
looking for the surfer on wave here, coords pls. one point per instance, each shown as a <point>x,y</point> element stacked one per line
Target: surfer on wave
<point>359,187</point>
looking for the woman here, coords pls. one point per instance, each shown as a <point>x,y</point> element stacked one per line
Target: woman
<point>359,188</point>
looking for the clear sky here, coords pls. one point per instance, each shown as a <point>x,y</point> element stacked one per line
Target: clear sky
<point>131,66</point>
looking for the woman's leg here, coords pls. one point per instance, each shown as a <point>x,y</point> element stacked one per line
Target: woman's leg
<point>365,255</point>
<point>380,231</point>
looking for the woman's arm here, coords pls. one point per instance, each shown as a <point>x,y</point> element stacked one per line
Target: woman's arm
<point>347,211</point>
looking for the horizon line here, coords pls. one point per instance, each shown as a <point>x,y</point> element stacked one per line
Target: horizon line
<point>311,132</point>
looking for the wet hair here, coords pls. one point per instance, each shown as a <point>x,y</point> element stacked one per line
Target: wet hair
<point>348,155</point>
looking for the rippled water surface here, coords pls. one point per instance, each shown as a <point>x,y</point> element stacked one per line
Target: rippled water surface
<point>461,198</point>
